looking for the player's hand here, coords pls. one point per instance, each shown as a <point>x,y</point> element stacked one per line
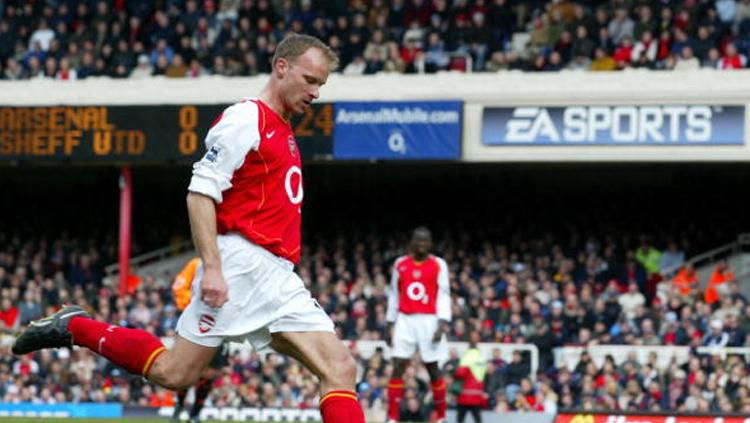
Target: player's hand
<point>389,335</point>
<point>437,335</point>
<point>214,290</point>
<point>441,329</point>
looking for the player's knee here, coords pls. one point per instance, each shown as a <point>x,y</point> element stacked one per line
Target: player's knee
<point>343,371</point>
<point>163,374</point>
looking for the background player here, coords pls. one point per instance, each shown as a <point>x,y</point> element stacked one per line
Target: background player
<point>419,310</point>
<point>182,291</point>
<point>244,204</point>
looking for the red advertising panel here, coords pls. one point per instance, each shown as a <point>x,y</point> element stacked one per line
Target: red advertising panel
<point>614,418</point>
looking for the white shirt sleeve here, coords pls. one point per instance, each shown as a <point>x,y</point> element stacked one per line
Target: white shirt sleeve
<point>392,312</point>
<point>227,144</point>
<point>444,292</point>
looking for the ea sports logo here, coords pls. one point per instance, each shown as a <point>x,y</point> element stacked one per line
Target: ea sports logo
<point>416,291</point>
<point>293,171</point>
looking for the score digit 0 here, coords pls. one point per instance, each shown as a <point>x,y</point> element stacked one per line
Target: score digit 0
<point>188,140</point>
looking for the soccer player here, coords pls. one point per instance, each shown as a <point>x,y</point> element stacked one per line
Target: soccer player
<point>419,311</point>
<point>244,205</point>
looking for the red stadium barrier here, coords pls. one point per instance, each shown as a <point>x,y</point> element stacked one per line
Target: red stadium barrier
<point>646,418</point>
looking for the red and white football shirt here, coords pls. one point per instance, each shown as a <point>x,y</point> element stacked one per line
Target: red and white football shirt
<point>253,171</point>
<point>419,288</point>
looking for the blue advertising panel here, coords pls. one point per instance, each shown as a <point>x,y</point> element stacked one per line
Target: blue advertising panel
<point>87,410</point>
<point>416,130</point>
<point>614,125</point>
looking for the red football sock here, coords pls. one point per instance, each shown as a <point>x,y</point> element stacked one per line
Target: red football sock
<point>438,397</point>
<point>134,350</point>
<point>341,407</point>
<point>395,395</point>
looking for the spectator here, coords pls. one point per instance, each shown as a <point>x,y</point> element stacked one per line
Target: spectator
<point>196,70</point>
<point>602,61</point>
<point>9,316</point>
<point>732,59</point>
<point>470,375</point>
<point>65,73</point>
<point>631,300</point>
<point>436,58</point>
<point>582,46</point>
<point>162,49</point>
<point>716,337</point>
<point>713,60</point>
<point>356,67</point>
<point>717,286</point>
<point>687,61</point>
<point>31,308</point>
<point>624,53</point>
<point>621,26</point>
<point>13,70</point>
<point>646,22</point>
<point>177,68</point>
<point>671,259</point>
<point>50,68</point>
<point>703,43</point>
<point>726,10</point>
<point>742,12</point>
<point>646,46</point>
<point>413,411</point>
<point>685,282</point>
<point>42,36</point>
<point>498,62</point>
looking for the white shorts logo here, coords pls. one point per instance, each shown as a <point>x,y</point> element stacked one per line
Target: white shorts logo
<point>417,292</point>
<point>294,198</point>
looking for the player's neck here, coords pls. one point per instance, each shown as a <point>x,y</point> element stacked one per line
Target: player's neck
<point>271,98</point>
<point>419,258</point>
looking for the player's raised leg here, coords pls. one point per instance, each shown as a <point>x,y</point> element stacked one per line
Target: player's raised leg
<point>135,350</point>
<point>327,357</point>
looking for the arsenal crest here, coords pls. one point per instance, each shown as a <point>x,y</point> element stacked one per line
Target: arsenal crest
<point>292,145</point>
<point>205,323</point>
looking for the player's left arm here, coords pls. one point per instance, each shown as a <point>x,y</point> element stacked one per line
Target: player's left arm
<point>392,310</point>
<point>443,301</point>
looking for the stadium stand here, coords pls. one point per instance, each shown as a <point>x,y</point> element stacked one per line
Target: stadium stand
<point>119,39</point>
<point>550,293</point>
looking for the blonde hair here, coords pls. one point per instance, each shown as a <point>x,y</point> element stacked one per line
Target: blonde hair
<point>295,45</point>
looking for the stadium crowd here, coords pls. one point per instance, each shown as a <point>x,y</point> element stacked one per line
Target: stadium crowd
<point>549,292</point>
<point>69,40</point>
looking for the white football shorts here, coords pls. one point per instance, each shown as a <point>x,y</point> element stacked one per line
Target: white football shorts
<point>265,296</point>
<point>413,332</point>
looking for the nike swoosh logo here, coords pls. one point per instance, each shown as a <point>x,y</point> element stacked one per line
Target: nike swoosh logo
<point>270,134</point>
<point>47,320</point>
<point>40,323</point>
<point>72,313</point>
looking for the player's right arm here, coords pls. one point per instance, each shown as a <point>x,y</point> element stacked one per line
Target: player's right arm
<point>228,142</point>
<point>392,311</point>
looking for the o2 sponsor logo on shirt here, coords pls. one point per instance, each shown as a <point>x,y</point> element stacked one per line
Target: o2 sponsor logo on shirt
<point>295,194</point>
<point>416,291</point>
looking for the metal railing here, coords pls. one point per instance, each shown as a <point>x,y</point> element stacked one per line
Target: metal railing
<point>713,255</point>
<point>152,256</point>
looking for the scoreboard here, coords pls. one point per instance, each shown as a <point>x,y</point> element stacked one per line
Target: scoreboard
<point>134,134</point>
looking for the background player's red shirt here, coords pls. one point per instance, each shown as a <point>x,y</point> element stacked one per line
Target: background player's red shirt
<point>254,172</point>
<point>419,288</point>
